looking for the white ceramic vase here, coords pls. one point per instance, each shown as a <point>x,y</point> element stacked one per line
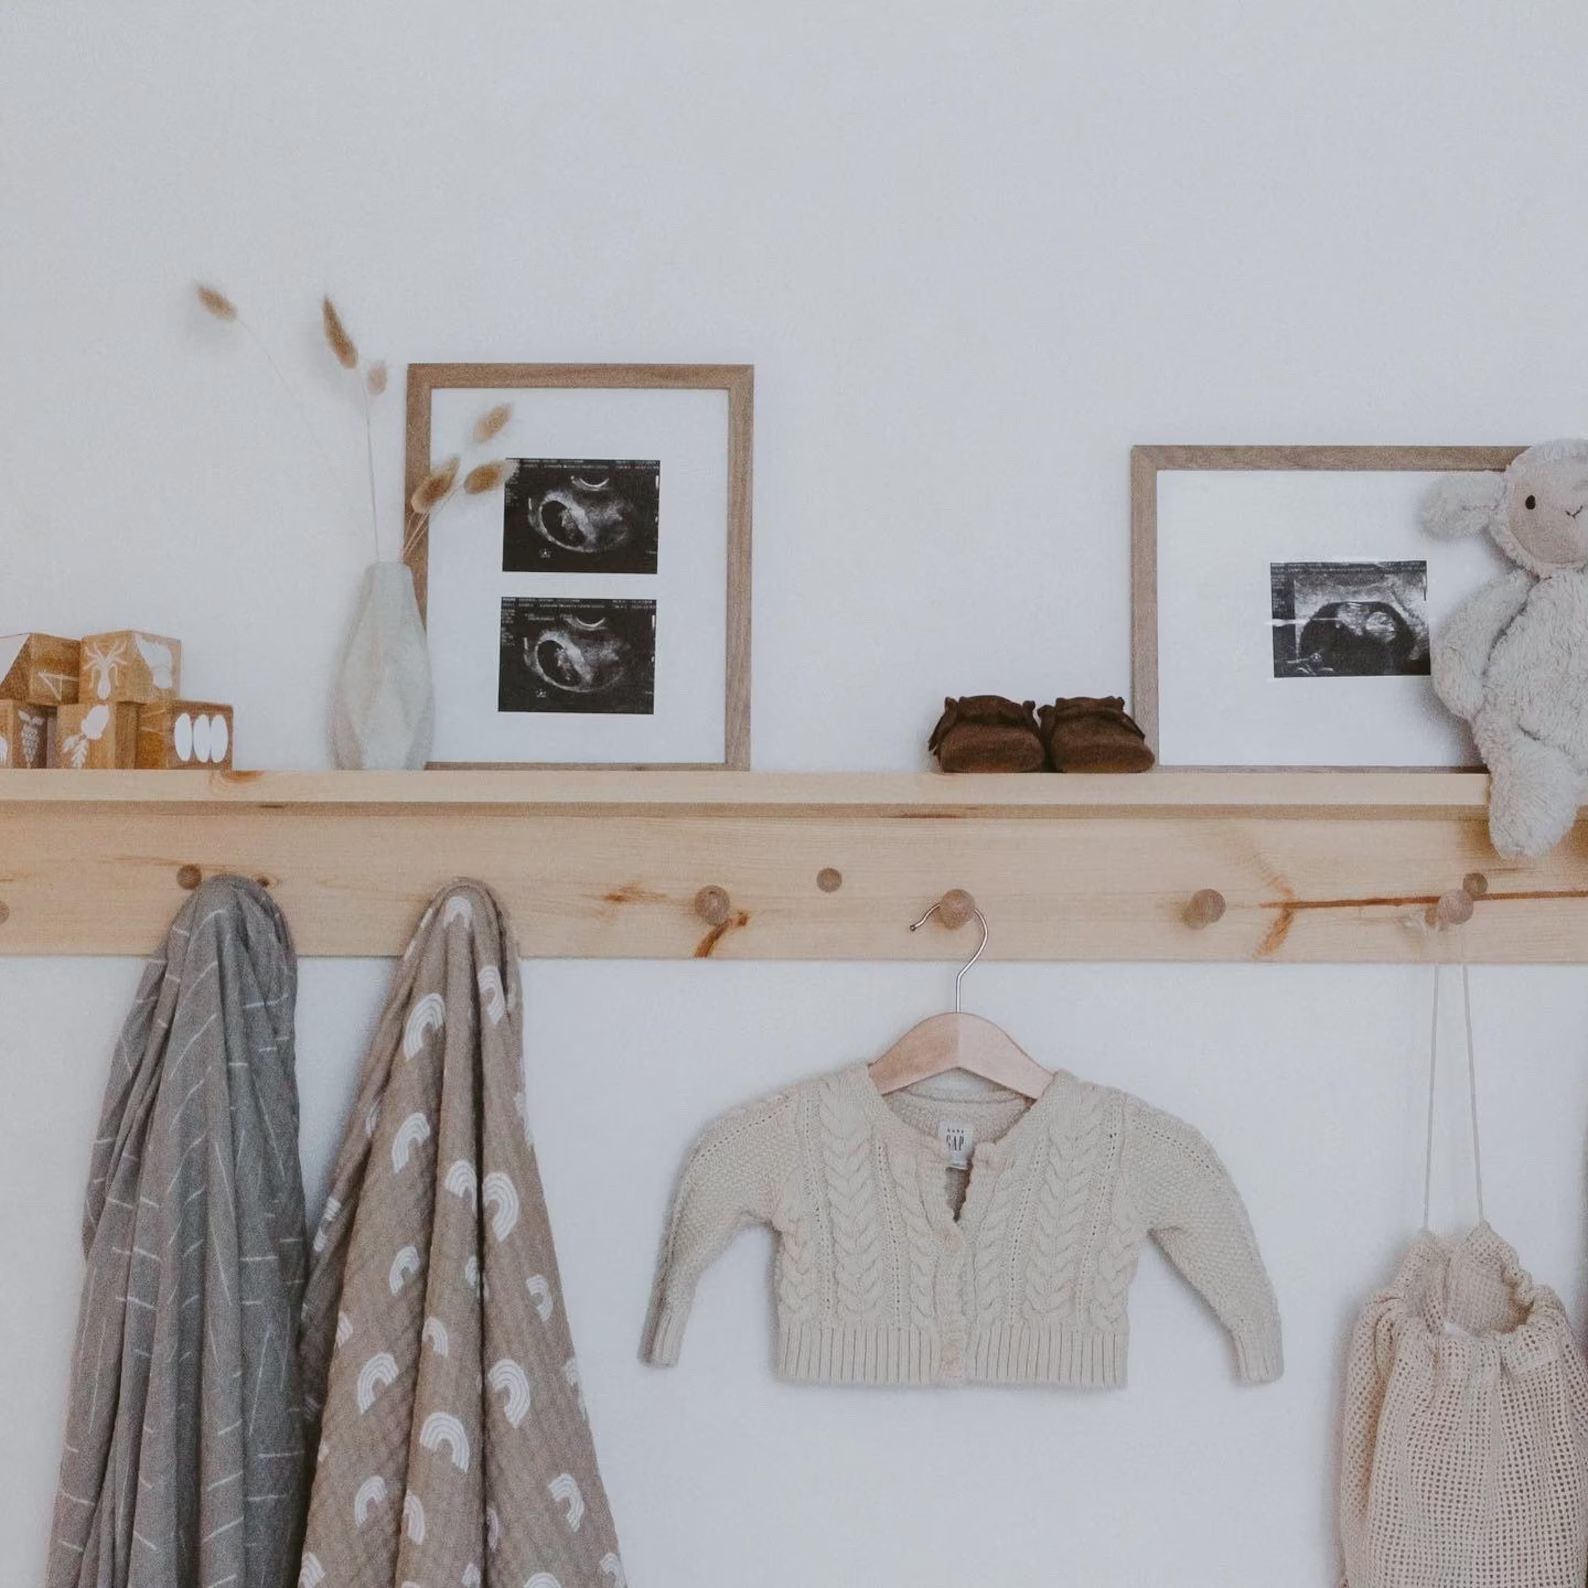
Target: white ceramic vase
<point>384,713</point>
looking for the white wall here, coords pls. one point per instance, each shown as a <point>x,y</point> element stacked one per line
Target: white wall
<point>975,251</point>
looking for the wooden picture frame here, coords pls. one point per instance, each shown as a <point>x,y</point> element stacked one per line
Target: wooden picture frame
<point>737,381</point>
<point>1148,462</point>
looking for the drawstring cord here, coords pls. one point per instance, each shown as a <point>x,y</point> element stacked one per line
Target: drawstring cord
<point>1472,1093</point>
<point>1472,1087</point>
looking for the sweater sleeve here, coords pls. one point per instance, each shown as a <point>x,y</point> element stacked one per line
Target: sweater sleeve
<point>1196,1215</point>
<point>732,1178</point>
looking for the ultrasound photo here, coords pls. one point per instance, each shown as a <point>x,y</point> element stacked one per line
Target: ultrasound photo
<point>581,515</point>
<point>595,657</point>
<point>1349,619</point>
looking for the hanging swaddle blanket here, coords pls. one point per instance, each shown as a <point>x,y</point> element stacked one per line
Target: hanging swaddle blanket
<point>1464,1457</point>
<point>454,1448</point>
<point>183,1465</point>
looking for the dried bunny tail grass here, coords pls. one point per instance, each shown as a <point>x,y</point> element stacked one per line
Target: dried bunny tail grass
<point>215,301</point>
<point>485,477</point>
<point>492,423</point>
<point>375,379</point>
<point>336,336</point>
<point>435,487</point>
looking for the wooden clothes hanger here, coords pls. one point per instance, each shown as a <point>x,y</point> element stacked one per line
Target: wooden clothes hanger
<point>959,1041</point>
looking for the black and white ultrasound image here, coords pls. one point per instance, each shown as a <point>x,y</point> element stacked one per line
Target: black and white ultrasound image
<point>581,515</point>
<point>1349,619</point>
<point>596,657</point>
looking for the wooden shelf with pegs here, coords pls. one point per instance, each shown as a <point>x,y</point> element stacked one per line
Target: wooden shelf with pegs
<point>1308,866</point>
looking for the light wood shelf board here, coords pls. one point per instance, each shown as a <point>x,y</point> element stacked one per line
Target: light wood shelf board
<point>1410,793</point>
<point>1314,866</point>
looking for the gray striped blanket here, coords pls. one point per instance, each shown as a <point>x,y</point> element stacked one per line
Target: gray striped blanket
<point>183,1465</point>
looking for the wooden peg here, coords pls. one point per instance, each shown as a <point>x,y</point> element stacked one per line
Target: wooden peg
<point>955,908</point>
<point>189,877</point>
<point>713,905</point>
<point>1451,909</point>
<point>1205,907</point>
<point>829,879</point>
<point>1475,883</point>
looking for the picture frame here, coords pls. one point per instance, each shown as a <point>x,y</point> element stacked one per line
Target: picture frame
<point>1282,600</point>
<point>596,604</point>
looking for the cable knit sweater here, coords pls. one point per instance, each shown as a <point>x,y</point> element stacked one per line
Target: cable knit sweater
<point>932,1239</point>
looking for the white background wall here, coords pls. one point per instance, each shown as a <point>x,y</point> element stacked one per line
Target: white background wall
<point>974,251</point>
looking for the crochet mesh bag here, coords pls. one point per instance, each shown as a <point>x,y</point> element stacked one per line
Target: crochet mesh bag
<point>1464,1460</point>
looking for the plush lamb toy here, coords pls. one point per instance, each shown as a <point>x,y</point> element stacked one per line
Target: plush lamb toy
<point>1512,659</point>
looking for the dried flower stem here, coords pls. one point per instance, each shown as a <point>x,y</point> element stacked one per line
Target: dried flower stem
<point>369,458</point>
<point>420,523</point>
<point>286,386</point>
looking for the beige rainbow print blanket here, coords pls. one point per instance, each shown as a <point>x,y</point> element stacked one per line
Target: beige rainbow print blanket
<point>454,1450</point>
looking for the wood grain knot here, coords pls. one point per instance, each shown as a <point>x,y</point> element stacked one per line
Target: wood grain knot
<point>732,922</point>
<point>5,912</point>
<point>1206,906</point>
<point>829,879</point>
<point>713,905</point>
<point>189,877</point>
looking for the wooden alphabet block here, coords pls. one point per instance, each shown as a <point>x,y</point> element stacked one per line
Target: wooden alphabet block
<point>185,733</point>
<point>40,669</point>
<point>97,736</point>
<point>24,734</point>
<point>129,665</point>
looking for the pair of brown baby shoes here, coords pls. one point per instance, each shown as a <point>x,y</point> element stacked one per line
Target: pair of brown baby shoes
<point>1085,733</point>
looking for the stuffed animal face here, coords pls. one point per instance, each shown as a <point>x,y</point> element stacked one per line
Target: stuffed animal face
<point>1536,511</point>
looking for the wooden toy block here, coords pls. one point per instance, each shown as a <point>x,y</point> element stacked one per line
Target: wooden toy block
<point>40,669</point>
<point>185,733</point>
<point>24,734</point>
<point>129,665</point>
<point>97,736</point>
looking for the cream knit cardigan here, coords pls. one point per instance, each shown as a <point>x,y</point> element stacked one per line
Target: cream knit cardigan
<point>879,1283</point>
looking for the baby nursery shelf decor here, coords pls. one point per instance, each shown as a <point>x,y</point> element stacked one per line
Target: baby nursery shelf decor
<point>1284,866</point>
<point>1285,600</point>
<point>587,595</point>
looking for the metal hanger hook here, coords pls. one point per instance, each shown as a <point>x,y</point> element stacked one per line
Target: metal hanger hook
<point>981,921</point>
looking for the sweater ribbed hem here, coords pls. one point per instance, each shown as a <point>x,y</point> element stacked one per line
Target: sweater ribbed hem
<point>1020,1354</point>
<point>811,1353</point>
<point>1259,1356</point>
<point>664,1335</point>
<point>835,1354</point>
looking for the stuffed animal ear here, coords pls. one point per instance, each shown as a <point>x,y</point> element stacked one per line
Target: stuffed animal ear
<point>1464,504</point>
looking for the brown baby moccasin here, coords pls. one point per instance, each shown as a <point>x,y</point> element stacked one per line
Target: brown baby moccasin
<point>1093,734</point>
<point>986,733</point>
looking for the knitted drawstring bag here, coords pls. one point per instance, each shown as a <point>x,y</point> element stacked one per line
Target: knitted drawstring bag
<point>1464,1459</point>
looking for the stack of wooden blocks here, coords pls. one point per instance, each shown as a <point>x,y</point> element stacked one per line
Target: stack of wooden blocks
<point>109,700</point>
